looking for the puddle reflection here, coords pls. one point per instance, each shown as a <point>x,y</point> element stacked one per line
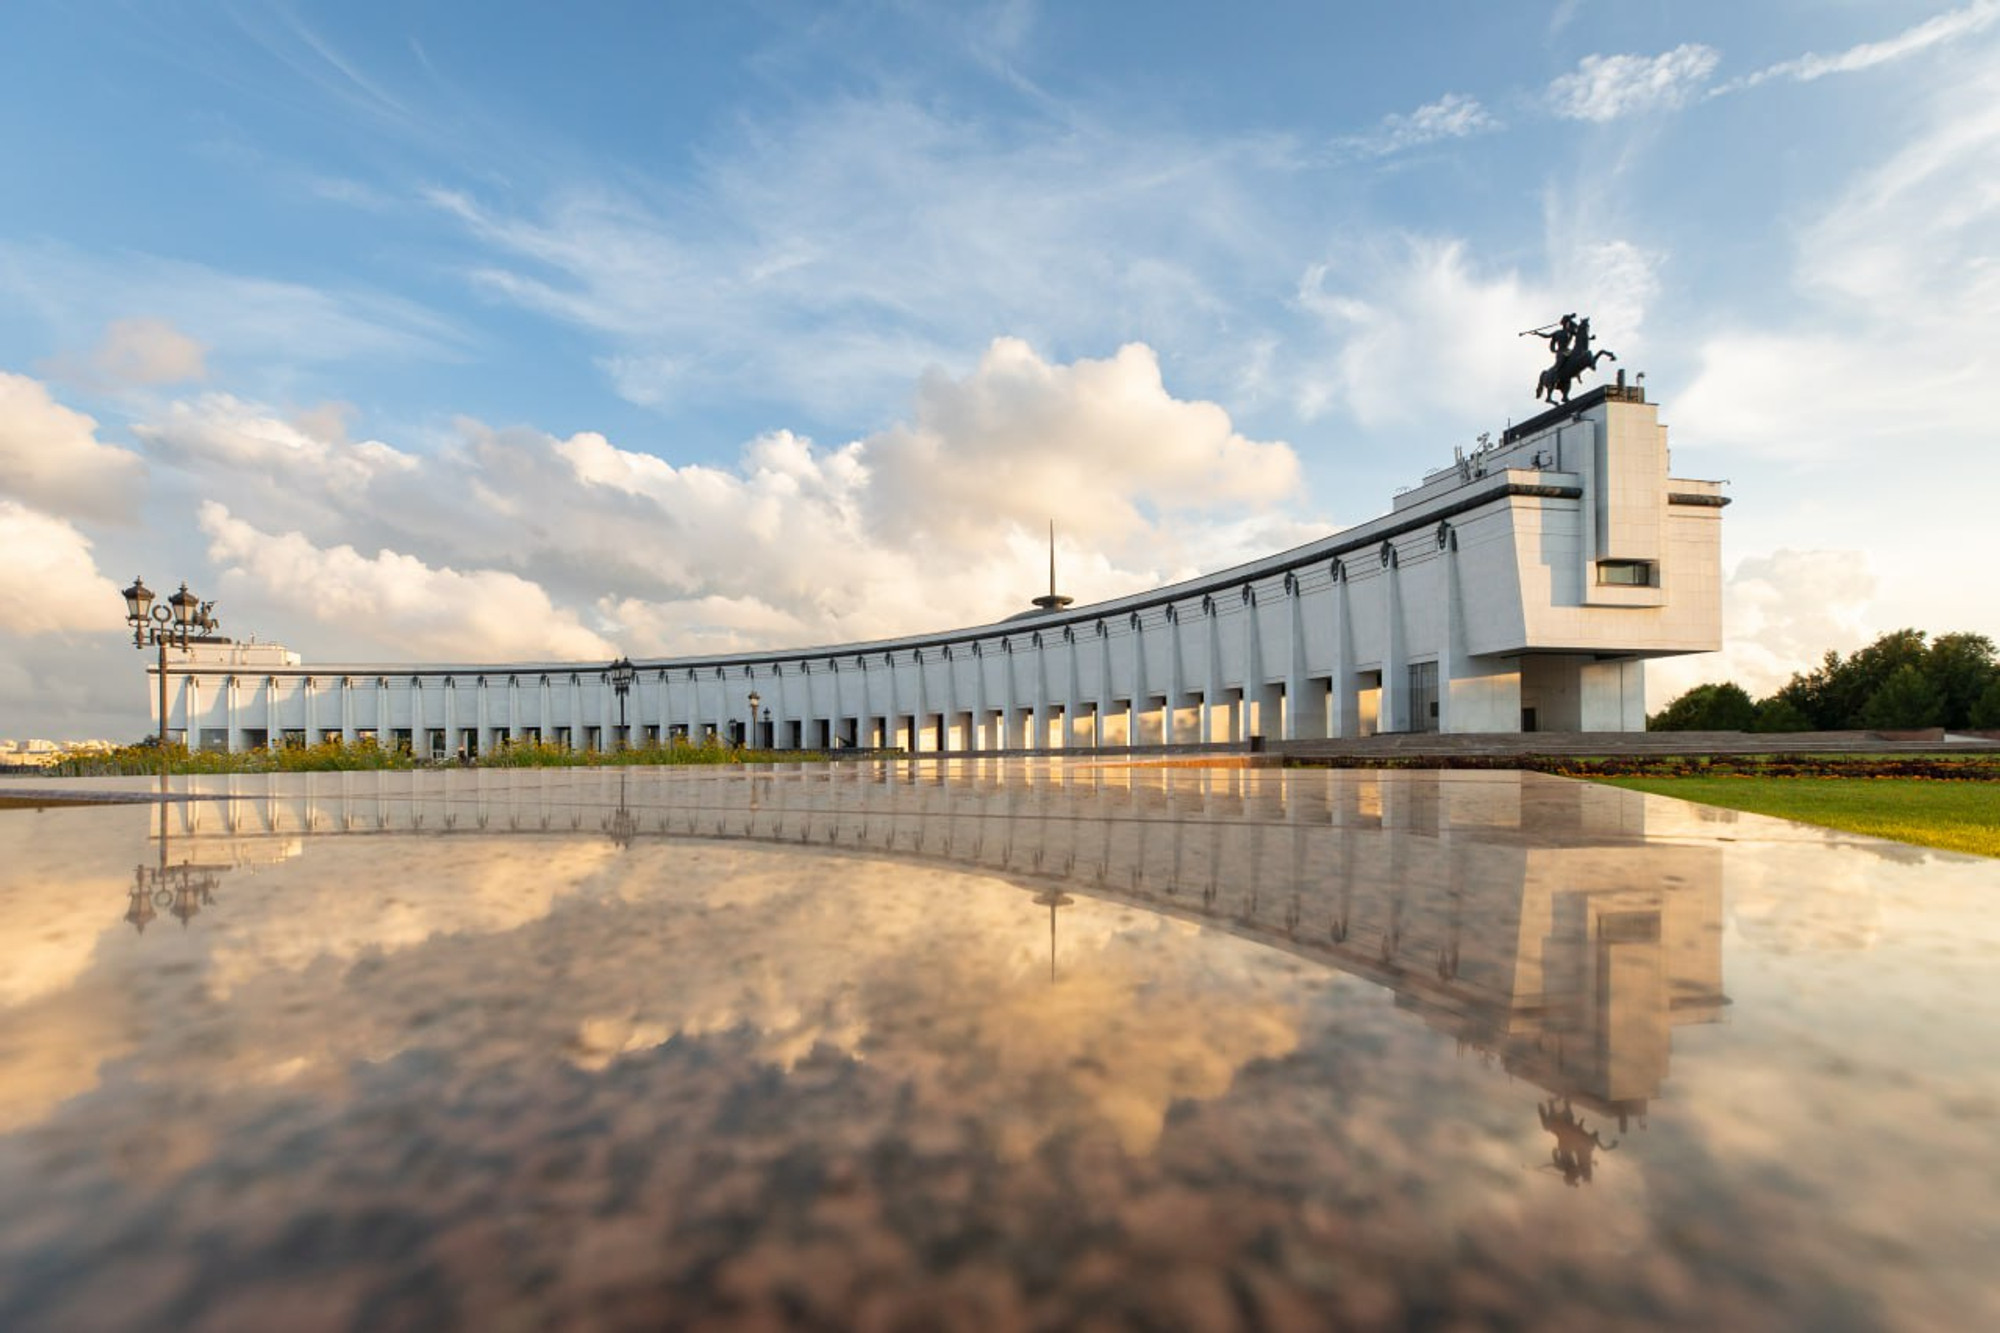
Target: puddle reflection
<point>987,1045</point>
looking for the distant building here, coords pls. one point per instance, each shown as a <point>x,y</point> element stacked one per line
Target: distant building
<point>41,753</point>
<point>1522,589</point>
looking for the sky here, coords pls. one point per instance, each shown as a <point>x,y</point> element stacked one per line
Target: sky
<point>496,332</point>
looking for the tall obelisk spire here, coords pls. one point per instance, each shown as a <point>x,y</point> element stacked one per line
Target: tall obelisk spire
<point>1055,601</point>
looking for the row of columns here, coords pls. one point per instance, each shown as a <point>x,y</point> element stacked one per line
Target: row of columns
<point>1037,698</point>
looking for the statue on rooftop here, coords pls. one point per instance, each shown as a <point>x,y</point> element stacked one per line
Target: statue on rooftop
<point>1569,344</point>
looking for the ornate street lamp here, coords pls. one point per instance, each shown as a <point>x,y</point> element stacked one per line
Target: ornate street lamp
<point>755,699</point>
<point>622,674</point>
<point>183,620</point>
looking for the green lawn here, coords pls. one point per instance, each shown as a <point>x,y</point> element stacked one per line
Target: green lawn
<point>1959,816</point>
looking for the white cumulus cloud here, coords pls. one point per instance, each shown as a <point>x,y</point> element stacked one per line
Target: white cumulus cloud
<point>396,601</point>
<point>48,580</point>
<point>936,521</point>
<point>1605,88</point>
<point>1782,611</point>
<point>1396,318</point>
<point>51,458</point>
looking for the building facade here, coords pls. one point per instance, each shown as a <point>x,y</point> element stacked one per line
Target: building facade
<point>1522,589</point>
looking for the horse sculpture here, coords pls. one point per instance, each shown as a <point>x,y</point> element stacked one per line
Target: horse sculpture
<point>1571,345</point>
<point>1577,1145</point>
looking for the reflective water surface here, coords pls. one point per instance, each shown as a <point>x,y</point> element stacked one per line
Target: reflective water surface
<point>987,1046</point>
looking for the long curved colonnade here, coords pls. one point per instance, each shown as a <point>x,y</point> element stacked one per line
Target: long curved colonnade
<point>1522,588</point>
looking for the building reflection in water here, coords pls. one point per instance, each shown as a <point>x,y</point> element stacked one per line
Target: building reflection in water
<point>1526,917</point>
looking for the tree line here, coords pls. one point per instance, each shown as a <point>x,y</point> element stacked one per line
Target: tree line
<point>1899,681</point>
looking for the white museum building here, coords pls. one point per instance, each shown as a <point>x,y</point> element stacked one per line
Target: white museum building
<point>1524,588</point>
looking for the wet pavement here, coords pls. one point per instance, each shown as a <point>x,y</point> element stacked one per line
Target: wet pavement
<point>987,1045</point>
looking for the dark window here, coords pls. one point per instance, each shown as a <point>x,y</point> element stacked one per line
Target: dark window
<point>1626,573</point>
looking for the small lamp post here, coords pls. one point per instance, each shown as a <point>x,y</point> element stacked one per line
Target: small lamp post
<point>755,699</point>
<point>182,620</point>
<point>622,675</point>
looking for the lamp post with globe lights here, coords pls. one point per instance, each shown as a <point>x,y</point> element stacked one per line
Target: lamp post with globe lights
<point>622,674</point>
<point>181,620</point>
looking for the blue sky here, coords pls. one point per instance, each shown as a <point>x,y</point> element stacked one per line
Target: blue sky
<point>679,327</point>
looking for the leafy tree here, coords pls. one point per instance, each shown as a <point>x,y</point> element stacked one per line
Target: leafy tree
<point>1963,667</point>
<point>1723,707</point>
<point>1908,698</point>
<point>1834,696</point>
<point>1775,714</point>
<point>1986,709</point>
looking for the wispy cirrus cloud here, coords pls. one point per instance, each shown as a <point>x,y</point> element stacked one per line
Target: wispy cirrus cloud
<point>1453,116</point>
<point>1604,88</point>
<point>820,257</point>
<point>76,296</point>
<point>1944,28</point>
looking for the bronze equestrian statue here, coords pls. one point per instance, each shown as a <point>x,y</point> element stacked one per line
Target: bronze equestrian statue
<point>1569,343</point>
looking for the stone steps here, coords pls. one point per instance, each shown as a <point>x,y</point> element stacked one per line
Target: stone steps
<point>1617,743</point>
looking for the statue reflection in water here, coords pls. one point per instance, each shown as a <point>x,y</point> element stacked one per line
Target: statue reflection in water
<point>1577,1144</point>
<point>1531,922</point>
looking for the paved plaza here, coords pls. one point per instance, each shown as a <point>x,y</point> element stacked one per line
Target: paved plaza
<point>984,1044</point>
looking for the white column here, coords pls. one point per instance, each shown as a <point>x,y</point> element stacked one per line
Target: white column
<point>1342,709</point>
<point>1043,715</point>
<point>1106,693</point>
<point>950,668</point>
<point>347,736</point>
<point>982,736</point>
<point>1135,706</point>
<point>1295,660</point>
<point>1010,723</point>
<point>1075,699</point>
<point>1395,714</point>
<point>1253,673</point>
<point>1213,690</point>
<point>1451,651</point>
<point>1176,684</point>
